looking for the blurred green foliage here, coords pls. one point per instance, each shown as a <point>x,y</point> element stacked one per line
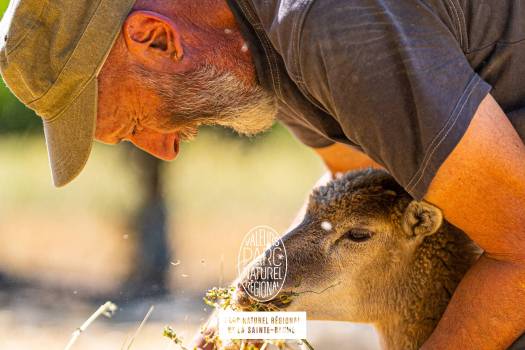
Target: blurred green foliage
<point>14,116</point>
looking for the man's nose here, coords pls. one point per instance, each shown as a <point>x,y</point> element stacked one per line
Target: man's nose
<point>163,146</point>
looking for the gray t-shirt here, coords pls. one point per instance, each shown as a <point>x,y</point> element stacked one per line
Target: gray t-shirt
<point>398,79</point>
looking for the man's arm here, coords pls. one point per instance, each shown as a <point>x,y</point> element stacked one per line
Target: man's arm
<point>340,158</point>
<point>481,189</point>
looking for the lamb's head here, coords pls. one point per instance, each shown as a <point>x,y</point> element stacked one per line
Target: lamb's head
<point>363,246</point>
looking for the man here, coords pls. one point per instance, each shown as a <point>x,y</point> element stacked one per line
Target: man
<point>431,90</point>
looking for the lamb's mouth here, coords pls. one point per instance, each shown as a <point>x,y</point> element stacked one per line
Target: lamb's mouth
<point>282,301</point>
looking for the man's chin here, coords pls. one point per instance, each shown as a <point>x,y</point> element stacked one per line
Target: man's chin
<point>250,125</point>
<point>188,133</point>
<point>252,132</point>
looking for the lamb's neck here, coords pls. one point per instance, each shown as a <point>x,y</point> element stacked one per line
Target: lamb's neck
<point>423,295</point>
<point>413,319</point>
<point>402,334</point>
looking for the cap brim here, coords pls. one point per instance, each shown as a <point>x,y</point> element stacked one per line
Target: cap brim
<point>69,136</point>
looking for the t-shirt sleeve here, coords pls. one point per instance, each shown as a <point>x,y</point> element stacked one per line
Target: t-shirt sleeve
<point>302,131</point>
<point>396,79</point>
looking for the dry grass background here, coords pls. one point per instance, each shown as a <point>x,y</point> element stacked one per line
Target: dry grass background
<point>78,238</point>
<point>216,191</point>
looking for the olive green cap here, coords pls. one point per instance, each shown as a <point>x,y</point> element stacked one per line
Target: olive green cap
<point>51,52</point>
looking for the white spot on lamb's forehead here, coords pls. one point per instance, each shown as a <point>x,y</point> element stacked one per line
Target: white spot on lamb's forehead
<point>327,226</point>
<point>244,47</point>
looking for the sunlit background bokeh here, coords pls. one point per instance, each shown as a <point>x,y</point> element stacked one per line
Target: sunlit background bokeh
<point>136,231</point>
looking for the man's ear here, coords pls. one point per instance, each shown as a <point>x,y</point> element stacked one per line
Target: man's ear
<point>152,39</point>
<point>421,219</point>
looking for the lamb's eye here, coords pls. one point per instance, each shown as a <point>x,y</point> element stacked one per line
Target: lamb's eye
<point>358,235</point>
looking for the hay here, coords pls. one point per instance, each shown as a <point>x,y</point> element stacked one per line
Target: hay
<point>222,299</point>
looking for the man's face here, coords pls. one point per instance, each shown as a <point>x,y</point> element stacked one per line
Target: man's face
<point>162,81</point>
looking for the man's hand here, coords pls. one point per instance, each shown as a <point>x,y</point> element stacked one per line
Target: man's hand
<point>481,189</point>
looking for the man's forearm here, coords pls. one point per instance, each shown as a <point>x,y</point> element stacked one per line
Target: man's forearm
<point>487,310</point>
<point>340,158</point>
<point>481,189</point>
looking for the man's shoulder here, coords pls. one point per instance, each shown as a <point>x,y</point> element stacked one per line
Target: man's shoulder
<point>284,21</point>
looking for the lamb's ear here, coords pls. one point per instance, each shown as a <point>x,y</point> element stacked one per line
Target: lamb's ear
<point>422,219</point>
